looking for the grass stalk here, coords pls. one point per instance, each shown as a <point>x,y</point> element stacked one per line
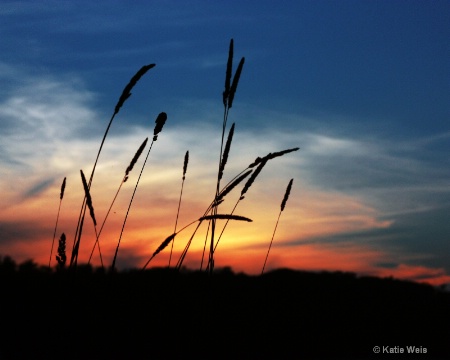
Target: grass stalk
<point>218,200</point>
<point>200,220</point>
<point>283,204</point>
<point>91,211</point>
<point>185,164</point>
<point>61,257</point>
<point>261,163</point>
<point>228,96</point>
<point>161,247</point>
<point>61,196</point>
<point>126,93</point>
<point>160,121</point>
<point>124,180</point>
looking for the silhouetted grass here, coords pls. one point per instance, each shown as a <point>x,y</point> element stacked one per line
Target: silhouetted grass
<point>159,123</point>
<point>228,96</point>
<point>124,180</point>
<point>212,213</point>
<point>90,206</point>
<point>259,163</point>
<point>126,93</point>
<point>185,164</point>
<point>283,204</point>
<point>61,196</point>
<point>61,258</point>
<point>199,221</point>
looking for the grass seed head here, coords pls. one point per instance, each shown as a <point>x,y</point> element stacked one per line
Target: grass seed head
<point>160,121</point>
<point>286,194</point>
<point>225,217</point>
<point>63,187</point>
<point>164,244</point>
<point>88,198</point>
<point>271,156</point>
<point>135,159</point>
<point>61,257</point>
<point>185,164</point>
<point>235,83</point>
<point>231,186</point>
<point>126,93</point>
<point>228,74</point>
<point>253,177</point>
<point>226,151</point>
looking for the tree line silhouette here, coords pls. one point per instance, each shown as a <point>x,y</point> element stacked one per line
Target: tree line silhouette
<point>161,313</point>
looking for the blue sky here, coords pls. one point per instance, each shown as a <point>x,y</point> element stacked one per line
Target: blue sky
<point>362,87</point>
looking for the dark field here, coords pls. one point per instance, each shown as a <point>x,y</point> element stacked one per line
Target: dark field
<point>162,314</point>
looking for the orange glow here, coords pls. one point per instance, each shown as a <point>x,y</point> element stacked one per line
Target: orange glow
<point>422,274</point>
<point>309,214</point>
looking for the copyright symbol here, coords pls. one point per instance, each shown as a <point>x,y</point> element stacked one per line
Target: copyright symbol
<point>376,349</point>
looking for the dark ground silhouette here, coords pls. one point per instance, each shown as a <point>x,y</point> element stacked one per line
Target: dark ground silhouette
<point>162,314</point>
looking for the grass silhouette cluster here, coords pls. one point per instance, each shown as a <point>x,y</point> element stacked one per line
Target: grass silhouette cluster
<point>211,216</point>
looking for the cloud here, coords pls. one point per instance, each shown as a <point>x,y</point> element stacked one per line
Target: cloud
<point>39,116</point>
<point>38,188</point>
<point>13,231</point>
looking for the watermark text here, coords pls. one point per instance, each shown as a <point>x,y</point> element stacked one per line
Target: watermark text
<point>409,349</point>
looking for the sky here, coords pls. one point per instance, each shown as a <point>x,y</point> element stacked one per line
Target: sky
<point>362,87</point>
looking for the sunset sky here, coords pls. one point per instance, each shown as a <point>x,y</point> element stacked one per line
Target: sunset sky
<point>362,87</point>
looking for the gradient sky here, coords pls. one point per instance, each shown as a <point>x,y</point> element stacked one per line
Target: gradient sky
<point>362,87</point>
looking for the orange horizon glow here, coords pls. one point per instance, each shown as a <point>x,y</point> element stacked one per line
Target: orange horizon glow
<point>243,246</point>
<point>310,213</point>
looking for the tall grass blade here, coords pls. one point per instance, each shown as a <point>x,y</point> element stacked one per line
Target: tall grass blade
<point>234,85</point>
<point>61,257</point>
<point>160,248</point>
<point>185,164</point>
<point>186,248</point>
<point>228,74</point>
<point>226,151</point>
<point>135,159</point>
<point>252,178</point>
<point>124,180</point>
<point>126,93</point>
<point>225,217</point>
<point>227,189</point>
<point>91,211</point>
<point>271,156</point>
<point>63,188</point>
<point>88,197</point>
<point>228,97</point>
<point>283,204</point>
<point>160,121</point>
<point>261,163</point>
<point>61,196</point>
<point>286,194</point>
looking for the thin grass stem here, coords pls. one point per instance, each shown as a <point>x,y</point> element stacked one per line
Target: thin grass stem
<point>124,180</point>
<point>129,207</point>
<point>126,93</point>
<point>185,164</point>
<point>283,205</point>
<point>160,121</point>
<point>61,196</point>
<point>270,245</point>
